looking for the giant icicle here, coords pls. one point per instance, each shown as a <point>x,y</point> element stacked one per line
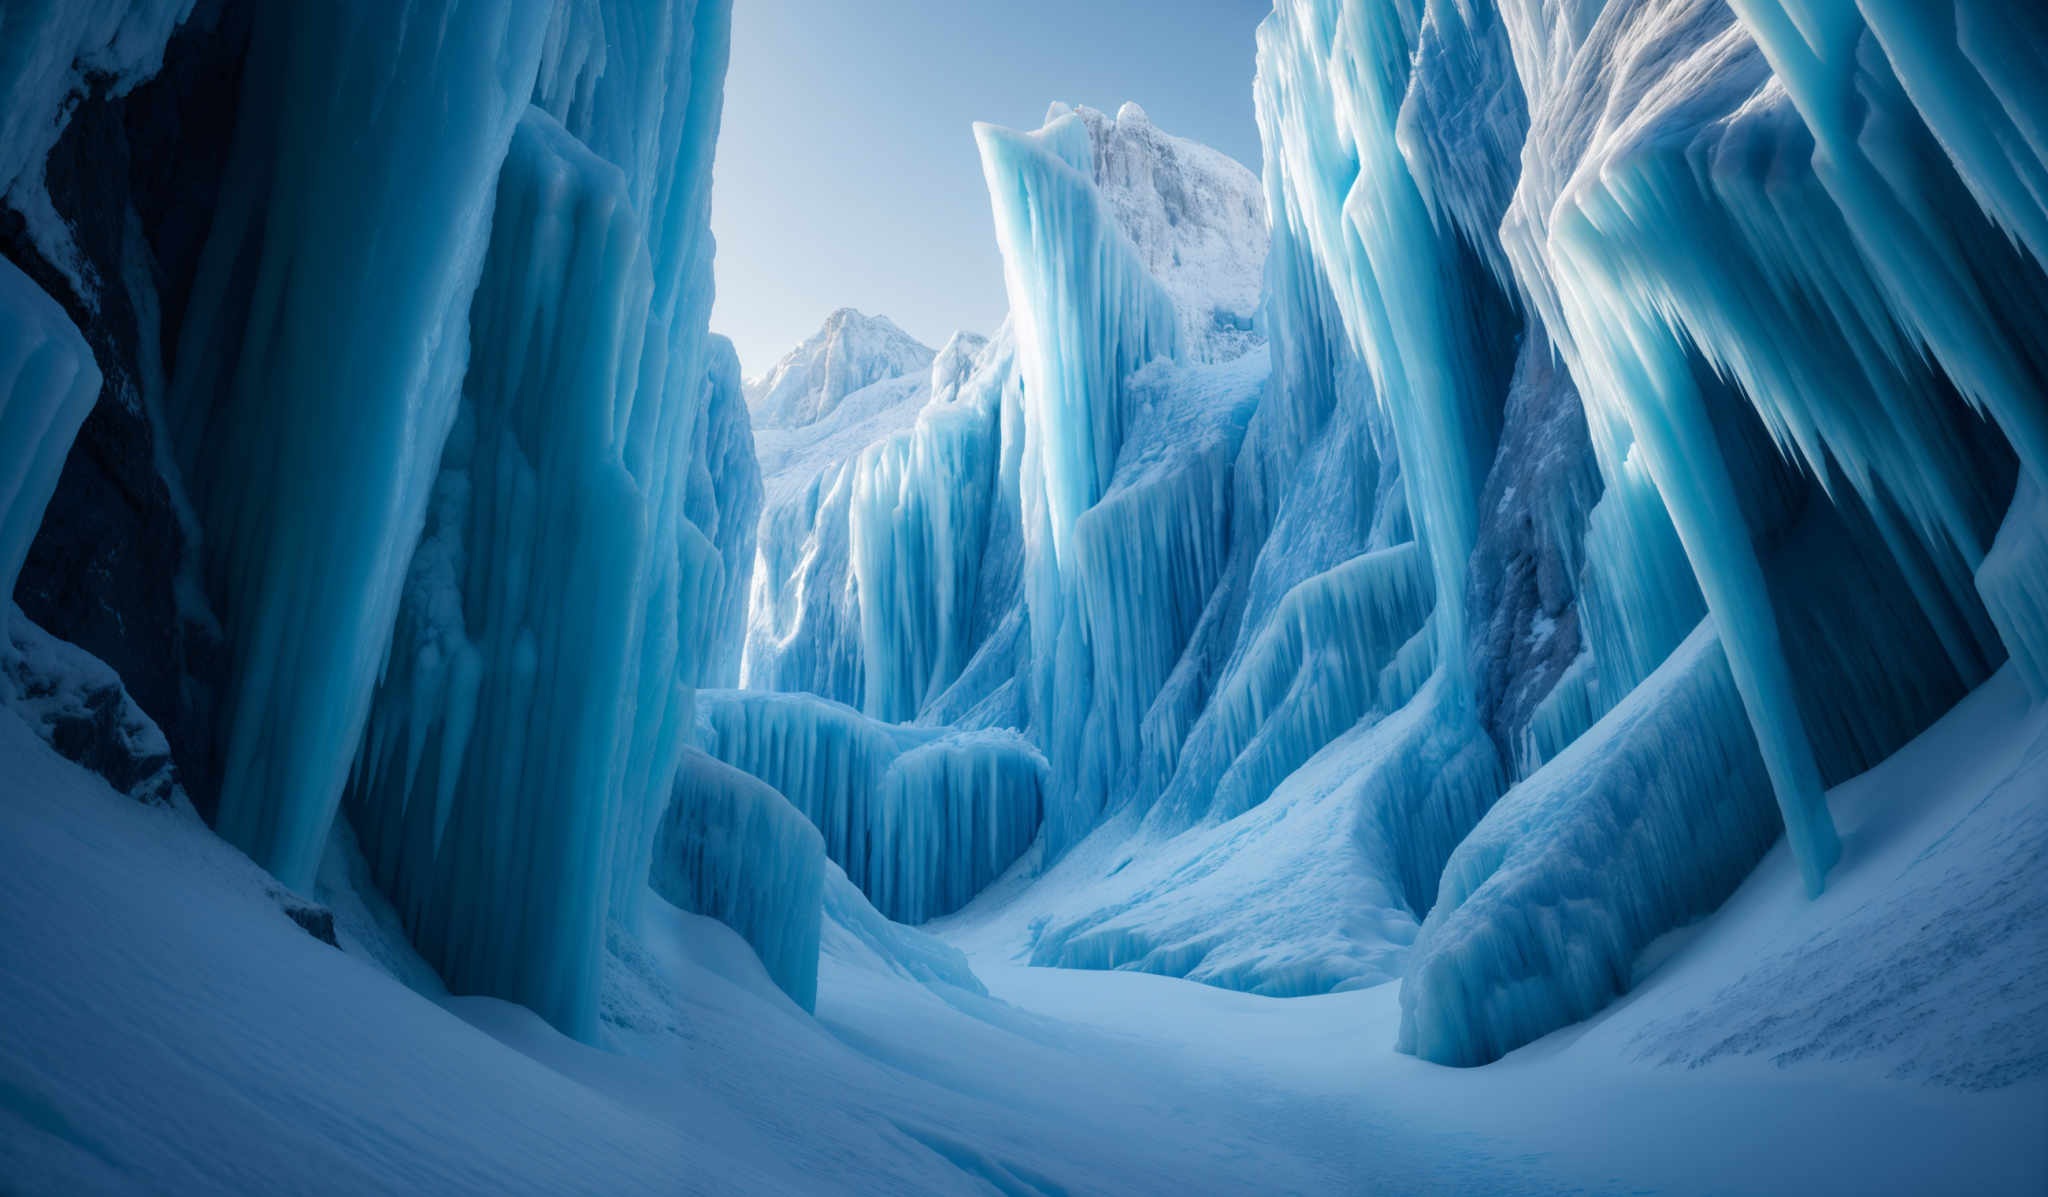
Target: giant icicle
<point>343,282</point>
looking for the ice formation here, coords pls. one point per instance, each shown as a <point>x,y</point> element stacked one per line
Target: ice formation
<point>732,848</point>
<point>886,536</point>
<point>921,819</point>
<point>473,571</point>
<point>1438,555</point>
<point>1454,556</point>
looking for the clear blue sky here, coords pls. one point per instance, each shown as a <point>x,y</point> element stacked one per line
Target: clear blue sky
<point>847,174</point>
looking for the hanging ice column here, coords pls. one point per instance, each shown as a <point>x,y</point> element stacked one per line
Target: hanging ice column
<point>1432,339</point>
<point>564,604</point>
<point>48,383</point>
<point>491,784</point>
<point>321,362</point>
<point>643,86</point>
<point>1086,316</point>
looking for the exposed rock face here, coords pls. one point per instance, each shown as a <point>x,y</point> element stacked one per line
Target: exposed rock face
<point>133,179</point>
<point>79,707</point>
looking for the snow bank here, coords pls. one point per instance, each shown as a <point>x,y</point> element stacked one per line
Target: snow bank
<point>732,848</point>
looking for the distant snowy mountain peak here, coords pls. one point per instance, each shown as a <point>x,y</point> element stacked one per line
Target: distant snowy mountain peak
<point>1197,216</point>
<point>850,352</point>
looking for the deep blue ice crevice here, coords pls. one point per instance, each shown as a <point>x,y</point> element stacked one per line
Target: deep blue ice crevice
<point>1328,656</point>
<point>731,848</point>
<point>921,818</point>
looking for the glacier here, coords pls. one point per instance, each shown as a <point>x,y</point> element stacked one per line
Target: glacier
<point>1498,443</point>
<point>1563,546</point>
<point>515,488</point>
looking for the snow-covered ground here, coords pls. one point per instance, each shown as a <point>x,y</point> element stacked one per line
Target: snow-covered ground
<point>165,1027</point>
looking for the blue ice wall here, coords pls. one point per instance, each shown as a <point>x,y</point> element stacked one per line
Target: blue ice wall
<point>1815,428</point>
<point>920,818</point>
<point>1086,315</point>
<point>520,612</point>
<point>474,561</point>
<point>321,364</point>
<point>588,544</point>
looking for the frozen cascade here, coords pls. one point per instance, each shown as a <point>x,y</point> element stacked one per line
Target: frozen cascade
<point>1419,314</point>
<point>733,849</point>
<point>1329,655</point>
<point>879,523</point>
<point>1716,150</point>
<point>443,380</point>
<point>48,383</point>
<point>343,281</point>
<point>519,612</point>
<point>565,581</point>
<point>1699,370</point>
<point>1086,316</point>
<point>920,818</point>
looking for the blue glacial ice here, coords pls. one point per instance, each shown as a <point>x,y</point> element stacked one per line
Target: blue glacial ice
<point>1421,562</point>
<point>921,819</point>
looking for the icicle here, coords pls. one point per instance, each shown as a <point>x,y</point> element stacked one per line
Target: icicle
<point>48,384</point>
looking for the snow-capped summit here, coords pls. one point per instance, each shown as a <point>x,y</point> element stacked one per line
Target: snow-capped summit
<point>1197,216</point>
<point>850,352</point>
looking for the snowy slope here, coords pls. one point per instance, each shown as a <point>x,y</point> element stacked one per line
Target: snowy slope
<point>254,1057</point>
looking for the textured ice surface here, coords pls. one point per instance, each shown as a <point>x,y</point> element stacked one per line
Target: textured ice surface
<point>732,848</point>
<point>1645,823</point>
<point>1196,217</point>
<point>345,282</point>
<point>920,818</point>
